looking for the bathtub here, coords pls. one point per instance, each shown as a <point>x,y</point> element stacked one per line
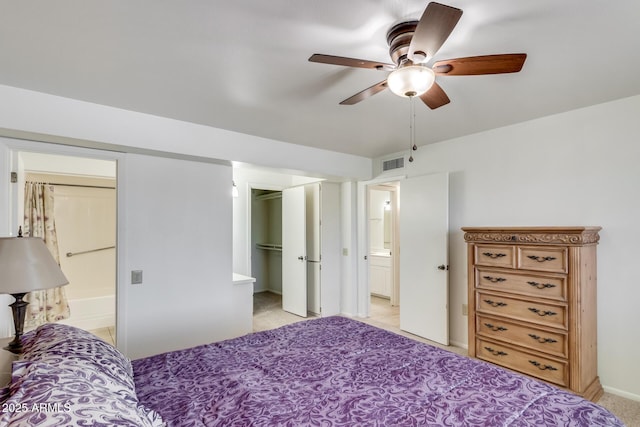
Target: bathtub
<point>92,313</point>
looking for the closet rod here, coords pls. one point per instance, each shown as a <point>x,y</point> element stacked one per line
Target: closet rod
<point>269,196</point>
<point>269,246</point>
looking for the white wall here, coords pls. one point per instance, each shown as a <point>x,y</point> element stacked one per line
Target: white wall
<point>576,168</point>
<point>175,225</point>
<point>64,122</point>
<point>5,230</point>
<point>348,221</point>
<point>68,165</point>
<point>37,116</point>
<point>70,121</point>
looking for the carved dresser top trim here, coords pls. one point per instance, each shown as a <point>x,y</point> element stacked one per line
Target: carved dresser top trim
<point>537,235</point>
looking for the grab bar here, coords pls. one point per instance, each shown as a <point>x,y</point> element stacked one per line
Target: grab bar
<point>70,254</point>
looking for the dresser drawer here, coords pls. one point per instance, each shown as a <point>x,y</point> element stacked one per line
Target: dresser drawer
<point>528,310</point>
<point>495,255</point>
<point>542,259</point>
<point>544,341</point>
<point>548,369</point>
<point>543,286</point>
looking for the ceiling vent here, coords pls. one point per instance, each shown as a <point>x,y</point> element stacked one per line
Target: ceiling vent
<point>388,165</point>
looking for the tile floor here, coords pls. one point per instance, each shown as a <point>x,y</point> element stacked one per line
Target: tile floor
<point>106,334</point>
<point>268,314</point>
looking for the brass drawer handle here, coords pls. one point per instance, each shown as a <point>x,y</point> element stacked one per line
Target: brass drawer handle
<point>541,285</point>
<point>495,328</point>
<point>542,367</point>
<point>495,304</point>
<point>495,352</point>
<point>541,258</point>
<point>542,340</point>
<point>492,255</point>
<point>541,312</point>
<point>494,279</point>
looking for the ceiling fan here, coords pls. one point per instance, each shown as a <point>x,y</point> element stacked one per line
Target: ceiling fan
<point>411,45</point>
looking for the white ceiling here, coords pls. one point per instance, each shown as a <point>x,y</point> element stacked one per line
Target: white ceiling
<point>242,65</point>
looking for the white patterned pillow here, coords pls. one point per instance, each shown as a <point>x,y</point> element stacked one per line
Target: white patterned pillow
<point>46,396</point>
<point>80,351</point>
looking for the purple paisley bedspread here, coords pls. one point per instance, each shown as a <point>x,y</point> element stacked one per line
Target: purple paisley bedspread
<point>339,372</point>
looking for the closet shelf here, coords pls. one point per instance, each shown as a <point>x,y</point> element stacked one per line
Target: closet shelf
<point>270,196</point>
<point>269,246</point>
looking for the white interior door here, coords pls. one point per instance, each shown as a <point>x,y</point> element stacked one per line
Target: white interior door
<point>331,249</point>
<point>312,193</point>
<point>424,287</point>
<point>294,248</point>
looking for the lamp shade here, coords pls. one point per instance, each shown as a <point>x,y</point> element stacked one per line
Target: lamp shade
<point>27,265</point>
<point>411,80</point>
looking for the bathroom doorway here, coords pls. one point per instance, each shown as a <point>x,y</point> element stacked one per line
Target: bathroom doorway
<point>383,250</point>
<point>422,263</point>
<point>84,199</point>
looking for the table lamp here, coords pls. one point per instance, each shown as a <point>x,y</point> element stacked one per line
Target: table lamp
<point>26,265</point>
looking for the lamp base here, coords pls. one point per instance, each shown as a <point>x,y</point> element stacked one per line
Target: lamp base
<point>14,346</point>
<point>19,308</point>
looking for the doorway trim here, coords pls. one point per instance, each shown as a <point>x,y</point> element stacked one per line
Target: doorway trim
<point>16,146</point>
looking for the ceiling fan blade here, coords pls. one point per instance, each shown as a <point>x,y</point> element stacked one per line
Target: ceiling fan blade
<point>350,62</point>
<point>370,91</point>
<point>435,97</point>
<point>434,27</point>
<point>477,65</point>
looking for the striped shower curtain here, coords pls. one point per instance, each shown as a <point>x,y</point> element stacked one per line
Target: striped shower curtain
<point>48,305</point>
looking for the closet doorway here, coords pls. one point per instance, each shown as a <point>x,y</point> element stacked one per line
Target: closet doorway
<point>266,240</point>
<point>291,229</point>
<point>84,208</point>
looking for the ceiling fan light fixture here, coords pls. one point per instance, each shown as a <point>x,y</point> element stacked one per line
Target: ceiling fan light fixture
<point>411,80</point>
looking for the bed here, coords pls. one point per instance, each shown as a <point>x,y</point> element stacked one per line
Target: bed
<point>330,371</point>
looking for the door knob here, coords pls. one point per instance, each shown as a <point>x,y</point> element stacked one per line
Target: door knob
<point>443,267</point>
<point>301,258</point>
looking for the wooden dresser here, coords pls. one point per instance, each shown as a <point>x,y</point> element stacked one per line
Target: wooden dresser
<point>532,302</point>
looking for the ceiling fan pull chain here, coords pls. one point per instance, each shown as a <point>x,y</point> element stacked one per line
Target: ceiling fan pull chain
<point>414,147</point>
<point>412,129</point>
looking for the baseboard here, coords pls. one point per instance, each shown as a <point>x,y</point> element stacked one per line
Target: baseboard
<point>345,314</point>
<point>621,393</point>
<point>459,344</point>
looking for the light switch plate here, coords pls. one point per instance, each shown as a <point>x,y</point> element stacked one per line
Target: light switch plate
<point>136,277</point>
